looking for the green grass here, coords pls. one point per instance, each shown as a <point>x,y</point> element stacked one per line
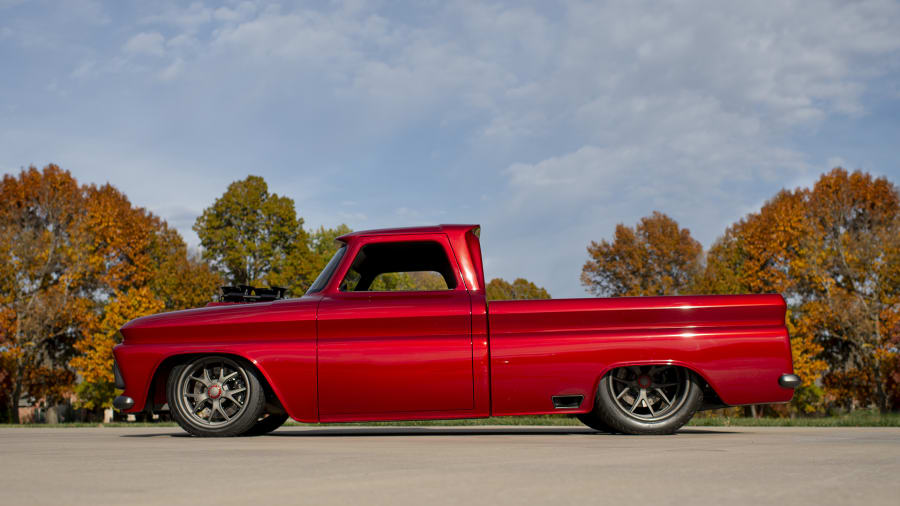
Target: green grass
<point>855,419</point>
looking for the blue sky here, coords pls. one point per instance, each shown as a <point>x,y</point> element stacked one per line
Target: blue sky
<point>546,122</point>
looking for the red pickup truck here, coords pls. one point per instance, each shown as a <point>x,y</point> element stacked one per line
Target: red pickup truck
<point>346,352</point>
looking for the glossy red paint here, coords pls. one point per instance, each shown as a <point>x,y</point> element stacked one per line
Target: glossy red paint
<point>542,348</point>
<point>278,337</point>
<point>342,356</point>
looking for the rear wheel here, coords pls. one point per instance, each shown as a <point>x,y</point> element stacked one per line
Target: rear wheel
<point>215,396</point>
<point>657,399</point>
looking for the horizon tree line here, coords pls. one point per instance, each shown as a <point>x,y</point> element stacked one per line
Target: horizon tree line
<point>78,261</point>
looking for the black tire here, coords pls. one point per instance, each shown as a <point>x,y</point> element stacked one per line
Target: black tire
<point>234,395</point>
<point>626,396</point>
<point>593,421</point>
<point>267,424</point>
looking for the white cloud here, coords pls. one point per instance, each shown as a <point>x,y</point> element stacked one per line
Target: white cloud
<point>171,72</point>
<point>568,118</point>
<point>188,18</point>
<point>146,43</point>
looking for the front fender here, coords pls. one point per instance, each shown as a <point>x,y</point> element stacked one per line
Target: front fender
<point>288,367</point>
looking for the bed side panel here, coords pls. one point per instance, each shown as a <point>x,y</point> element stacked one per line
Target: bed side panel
<point>539,349</point>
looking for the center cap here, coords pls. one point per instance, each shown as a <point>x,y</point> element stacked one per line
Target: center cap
<point>644,381</point>
<point>214,391</point>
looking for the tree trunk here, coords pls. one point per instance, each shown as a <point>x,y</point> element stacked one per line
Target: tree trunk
<point>14,404</point>
<point>881,397</point>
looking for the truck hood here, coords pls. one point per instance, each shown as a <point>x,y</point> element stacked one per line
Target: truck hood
<point>228,322</point>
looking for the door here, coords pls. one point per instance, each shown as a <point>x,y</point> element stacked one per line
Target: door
<point>395,354</point>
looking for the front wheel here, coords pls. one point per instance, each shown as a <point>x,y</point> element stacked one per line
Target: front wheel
<point>657,399</point>
<point>215,396</point>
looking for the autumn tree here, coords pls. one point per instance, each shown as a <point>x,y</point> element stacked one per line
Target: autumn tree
<point>254,237</point>
<point>143,268</point>
<point>656,257</point>
<point>45,279</point>
<point>834,252</point>
<point>851,280</point>
<point>76,263</point>
<point>520,289</point>
<point>761,253</point>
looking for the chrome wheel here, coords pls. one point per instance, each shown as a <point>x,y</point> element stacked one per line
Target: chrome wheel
<point>649,393</point>
<point>213,392</point>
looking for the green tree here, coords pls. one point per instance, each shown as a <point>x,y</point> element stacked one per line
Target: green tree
<point>254,237</point>
<point>520,289</point>
<point>323,244</point>
<point>656,257</point>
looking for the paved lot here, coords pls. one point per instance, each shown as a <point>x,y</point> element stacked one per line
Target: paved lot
<point>449,465</point>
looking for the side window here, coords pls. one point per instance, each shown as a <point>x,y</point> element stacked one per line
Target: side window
<point>400,266</point>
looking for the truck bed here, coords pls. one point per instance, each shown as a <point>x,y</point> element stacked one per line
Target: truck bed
<point>561,347</point>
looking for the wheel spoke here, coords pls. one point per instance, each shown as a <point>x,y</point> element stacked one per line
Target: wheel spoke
<point>229,376</point>
<point>208,376</point>
<point>622,393</point>
<point>232,399</point>
<point>663,395</point>
<point>649,404</point>
<point>201,379</point>
<point>637,400</point>
<point>222,411</point>
<point>200,404</point>
<point>198,398</point>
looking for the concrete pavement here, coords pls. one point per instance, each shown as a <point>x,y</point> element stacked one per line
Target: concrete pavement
<point>451,465</point>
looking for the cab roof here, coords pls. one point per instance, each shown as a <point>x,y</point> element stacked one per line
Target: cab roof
<point>432,229</point>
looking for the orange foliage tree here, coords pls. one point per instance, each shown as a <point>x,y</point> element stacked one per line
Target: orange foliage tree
<point>656,257</point>
<point>77,262</point>
<point>142,267</point>
<point>45,279</point>
<point>834,252</point>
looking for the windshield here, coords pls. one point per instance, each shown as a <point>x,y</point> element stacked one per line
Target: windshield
<point>320,282</point>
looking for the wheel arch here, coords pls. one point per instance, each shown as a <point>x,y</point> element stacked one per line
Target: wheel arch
<point>157,397</point>
<point>711,398</point>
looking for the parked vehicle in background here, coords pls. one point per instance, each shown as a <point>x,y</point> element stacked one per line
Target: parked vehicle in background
<point>343,352</point>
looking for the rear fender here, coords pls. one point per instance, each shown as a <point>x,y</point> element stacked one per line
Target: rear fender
<point>716,402</point>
